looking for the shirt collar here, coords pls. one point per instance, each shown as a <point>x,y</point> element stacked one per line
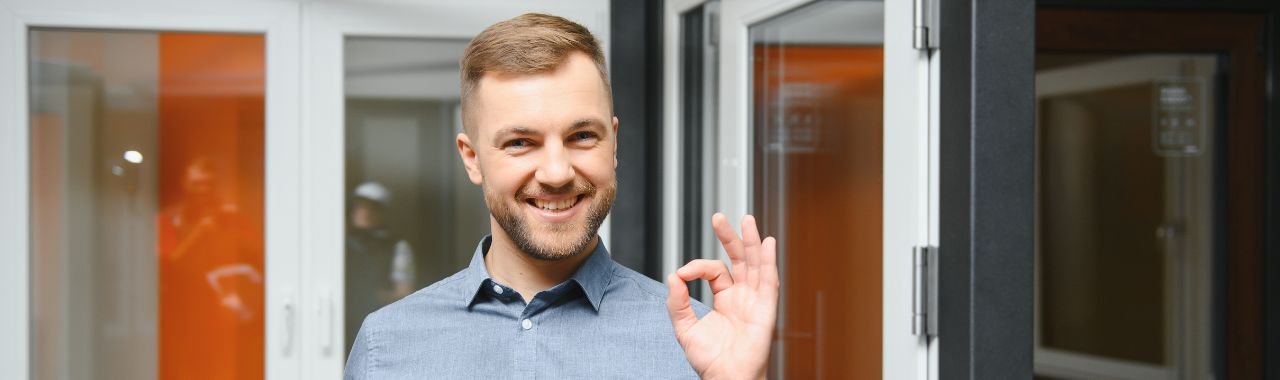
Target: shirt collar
<point>593,276</point>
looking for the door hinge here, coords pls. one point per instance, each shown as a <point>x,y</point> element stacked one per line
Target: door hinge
<point>924,291</point>
<point>924,31</point>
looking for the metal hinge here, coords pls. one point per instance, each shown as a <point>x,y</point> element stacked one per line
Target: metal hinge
<point>924,291</point>
<point>924,31</point>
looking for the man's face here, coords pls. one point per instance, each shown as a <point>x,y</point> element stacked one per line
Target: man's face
<point>366,215</point>
<point>543,148</point>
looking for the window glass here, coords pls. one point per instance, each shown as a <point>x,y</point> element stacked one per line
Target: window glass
<point>817,180</point>
<point>412,216</point>
<point>1124,214</point>
<point>146,204</point>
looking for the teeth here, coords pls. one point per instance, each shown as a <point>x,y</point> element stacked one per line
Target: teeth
<point>554,205</point>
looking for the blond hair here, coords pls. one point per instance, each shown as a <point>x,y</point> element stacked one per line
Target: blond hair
<point>531,43</point>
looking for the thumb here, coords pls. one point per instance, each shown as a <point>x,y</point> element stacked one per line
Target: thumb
<point>679,306</point>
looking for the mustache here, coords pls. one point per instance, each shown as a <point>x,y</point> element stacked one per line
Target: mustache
<point>577,187</point>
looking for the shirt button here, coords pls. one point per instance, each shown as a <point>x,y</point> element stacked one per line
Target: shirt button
<point>497,289</point>
<point>526,324</point>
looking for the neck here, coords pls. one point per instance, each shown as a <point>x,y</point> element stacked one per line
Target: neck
<point>529,276</point>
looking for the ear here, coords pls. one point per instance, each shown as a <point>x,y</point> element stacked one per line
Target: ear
<point>615,142</point>
<point>469,159</point>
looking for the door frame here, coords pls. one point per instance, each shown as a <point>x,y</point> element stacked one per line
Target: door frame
<point>985,201</point>
<point>325,25</point>
<point>909,175</point>
<point>278,23</point>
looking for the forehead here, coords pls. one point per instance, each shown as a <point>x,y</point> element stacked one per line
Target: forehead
<point>555,99</point>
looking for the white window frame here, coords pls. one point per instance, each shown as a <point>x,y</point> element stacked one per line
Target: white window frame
<point>910,156</point>
<point>276,21</point>
<point>325,26</point>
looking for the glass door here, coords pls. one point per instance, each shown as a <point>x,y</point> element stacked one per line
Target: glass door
<point>146,155</point>
<point>1125,214</point>
<point>388,201</point>
<point>822,131</point>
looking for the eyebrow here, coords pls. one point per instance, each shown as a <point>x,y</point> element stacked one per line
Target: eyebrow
<point>586,123</point>
<point>520,130</point>
<point>517,130</point>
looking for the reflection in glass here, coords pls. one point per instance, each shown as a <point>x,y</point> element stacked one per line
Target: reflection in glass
<point>1124,241</point>
<point>413,217</point>
<point>147,204</point>
<point>817,82</point>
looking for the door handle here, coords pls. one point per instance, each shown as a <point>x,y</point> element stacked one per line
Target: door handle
<point>324,314</point>
<point>289,321</point>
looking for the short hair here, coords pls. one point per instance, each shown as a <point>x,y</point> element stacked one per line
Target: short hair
<point>531,43</point>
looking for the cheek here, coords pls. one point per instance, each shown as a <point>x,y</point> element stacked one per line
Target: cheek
<point>504,174</point>
<point>596,166</point>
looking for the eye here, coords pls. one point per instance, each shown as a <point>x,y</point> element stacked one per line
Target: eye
<point>583,136</point>
<point>517,143</point>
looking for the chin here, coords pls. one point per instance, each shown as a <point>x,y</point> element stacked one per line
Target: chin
<point>563,230</point>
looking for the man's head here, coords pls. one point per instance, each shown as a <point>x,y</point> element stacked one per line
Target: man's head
<point>369,201</point>
<point>540,137</point>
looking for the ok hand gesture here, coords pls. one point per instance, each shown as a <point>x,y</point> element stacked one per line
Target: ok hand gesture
<point>733,340</point>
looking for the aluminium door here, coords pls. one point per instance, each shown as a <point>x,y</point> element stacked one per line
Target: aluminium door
<point>814,116</point>
<point>380,169</point>
<point>149,149</point>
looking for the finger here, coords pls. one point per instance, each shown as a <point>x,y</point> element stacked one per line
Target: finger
<point>679,306</point>
<point>751,245</point>
<point>713,271</point>
<point>728,239</point>
<point>769,266</point>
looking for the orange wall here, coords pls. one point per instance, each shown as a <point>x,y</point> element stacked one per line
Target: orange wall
<point>210,234</point>
<point>833,209</point>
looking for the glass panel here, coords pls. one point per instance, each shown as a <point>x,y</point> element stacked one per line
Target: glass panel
<point>1125,211</point>
<point>818,98</point>
<point>147,204</point>
<point>413,217</point>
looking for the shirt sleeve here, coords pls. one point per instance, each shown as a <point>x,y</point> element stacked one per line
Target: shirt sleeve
<point>358,362</point>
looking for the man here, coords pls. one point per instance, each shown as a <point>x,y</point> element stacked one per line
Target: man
<point>542,298</point>
<point>379,264</point>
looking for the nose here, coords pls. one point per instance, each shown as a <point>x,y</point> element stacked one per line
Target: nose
<point>556,169</point>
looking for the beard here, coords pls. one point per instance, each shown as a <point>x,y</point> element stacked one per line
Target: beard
<point>560,240</point>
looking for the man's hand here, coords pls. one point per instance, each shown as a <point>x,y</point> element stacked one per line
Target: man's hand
<point>732,341</point>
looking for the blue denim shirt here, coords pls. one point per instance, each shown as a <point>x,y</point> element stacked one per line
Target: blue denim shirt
<point>605,322</point>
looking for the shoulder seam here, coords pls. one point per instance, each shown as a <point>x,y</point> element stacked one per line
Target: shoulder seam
<point>614,272</point>
<point>371,360</point>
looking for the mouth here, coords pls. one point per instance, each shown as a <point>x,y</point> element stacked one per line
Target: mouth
<point>556,209</point>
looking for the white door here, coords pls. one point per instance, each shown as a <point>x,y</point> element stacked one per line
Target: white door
<point>380,109</point>
<point>814,117</point>
<point>149,146</point>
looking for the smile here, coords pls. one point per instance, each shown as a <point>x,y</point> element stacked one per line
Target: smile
<point>555,204</point>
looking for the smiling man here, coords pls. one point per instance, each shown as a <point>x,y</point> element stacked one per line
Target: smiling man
<point>541,297</point>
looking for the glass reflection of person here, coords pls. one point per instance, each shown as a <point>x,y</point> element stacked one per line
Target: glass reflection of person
<point>541,297</point>
<point>380,265</point>
<point>211,283</point>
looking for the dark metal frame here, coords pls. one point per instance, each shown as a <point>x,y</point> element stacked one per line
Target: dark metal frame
<point>692,94</point>
<point>987,137</point>
<point>635,66</point>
